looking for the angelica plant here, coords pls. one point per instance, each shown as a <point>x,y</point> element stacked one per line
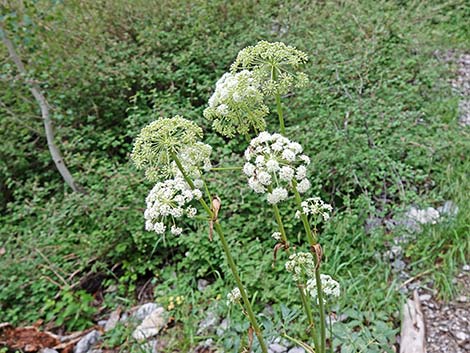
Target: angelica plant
<point>172,153</point>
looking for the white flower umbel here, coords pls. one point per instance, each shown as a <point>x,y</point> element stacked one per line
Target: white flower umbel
<point>273,162</point>
<point>234,296</point>
<point>237,105</point>
<point>329,286</point>
<point>301,265</point>
<point>168,201</point>
<point>314,206</point>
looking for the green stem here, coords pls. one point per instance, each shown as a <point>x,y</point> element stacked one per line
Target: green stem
<point>226,168</point>
<point>278,103</point>
<point>305,302</point>
<point>308,311</point>
<point>280,225</point>
<point>230,260</point>
<point>280,114</point>
<point>312,240</point>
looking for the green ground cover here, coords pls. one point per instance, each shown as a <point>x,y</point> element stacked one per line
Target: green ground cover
<point>379,120</point>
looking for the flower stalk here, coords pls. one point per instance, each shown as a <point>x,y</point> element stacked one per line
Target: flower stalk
<point>230,261</point>
<point>312,242</point>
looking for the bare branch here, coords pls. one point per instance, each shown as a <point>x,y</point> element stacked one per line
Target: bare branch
<point>44,106</point>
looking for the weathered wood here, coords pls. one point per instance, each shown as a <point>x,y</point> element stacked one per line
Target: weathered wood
<point>413,335</point>
<point>44,106</point>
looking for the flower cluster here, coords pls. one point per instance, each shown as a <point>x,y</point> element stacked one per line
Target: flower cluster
<point>329,286</point>
<point>237,105</point>
<point>169,200</point>
<point>276,236</point>
<point>194,158</point>
<point>301,265</point>
<point>234,296</point>
<point>315,206</point>
<point>160,139</point>
<point>275,66</point>
<point>273,162</point>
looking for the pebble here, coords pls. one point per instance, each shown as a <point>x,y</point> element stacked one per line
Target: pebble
<point>425,297</point>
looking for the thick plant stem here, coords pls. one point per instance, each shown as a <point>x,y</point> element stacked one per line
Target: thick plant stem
<point>280,225</point>
<point>230,261</point>
<point>246,301</point>
<point>217,169</point>
<point>278,103</point>
<point>280,114</point>
<point>308,311</point>
<point>313,241</point>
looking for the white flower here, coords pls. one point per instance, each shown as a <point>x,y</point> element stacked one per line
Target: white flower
<point>276,162</point>
<point>301,172</point>
<point>296,147</point>
<point>249,169</point>
<point>330,287</point>
<point>222,109</point>
<point>288,155</point>
<point>303,186</point>
<point>191,212</point>
<point>264,178</point>
<point>277,195</point>
<point>272,166</point>
<point>159,228</point>
<point>286,173</point>
<point>305,158</point>
<point>169,198</point>
<point>259,161</point>
<point>234,296</point>
<point>276,236</point>
<point>176,230</point>
<point>301,265</point>
<point>256,186</point>
<point>237,105</point>
<point>316,206</point>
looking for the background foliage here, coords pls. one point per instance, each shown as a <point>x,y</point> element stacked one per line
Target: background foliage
<point>379,121</point>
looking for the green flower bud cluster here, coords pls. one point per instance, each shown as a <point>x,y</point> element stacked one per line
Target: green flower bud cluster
<point>237,105</point>
<point>158,141</point>
<point>266,69</point>
<point>276,66</point>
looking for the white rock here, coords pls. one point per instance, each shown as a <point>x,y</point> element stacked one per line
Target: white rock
<point>208,324</point>
<point>424,297</point>
<point>113,320</point>
<point>151,325</point>
<point>277,348</point>
<point>87,341</point>
<point>145,310</point>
